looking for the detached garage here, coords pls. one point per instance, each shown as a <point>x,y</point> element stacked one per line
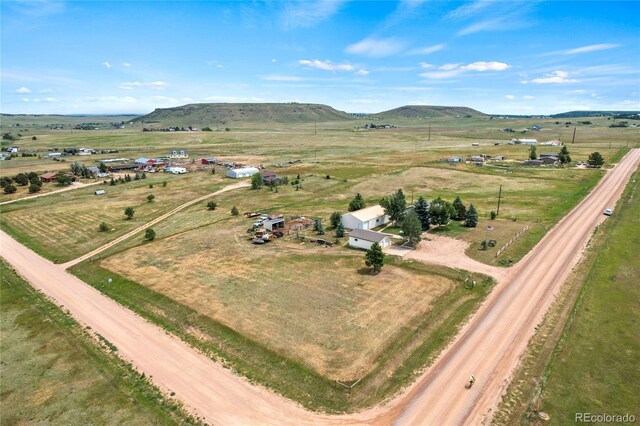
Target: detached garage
<point>368,218</point>
<point>361,238</point>
<point>242,172</point>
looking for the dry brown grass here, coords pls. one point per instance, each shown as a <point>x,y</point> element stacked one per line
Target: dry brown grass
<point>315,305</point>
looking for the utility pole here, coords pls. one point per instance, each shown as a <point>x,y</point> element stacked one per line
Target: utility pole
<point>499,197</point>
<point>574,136</point>
<point>429,131</point>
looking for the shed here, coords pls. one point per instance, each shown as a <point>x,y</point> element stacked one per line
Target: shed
<point>242,172</point>
<point>364,239</point>
<point>454,160</point>
<point>209,160</point>
<point>142,160</point>
<point>270,178</point>
<point>101,192</point>
<point>273,224</point>
<point>367,218</point>
<point>48,177</point>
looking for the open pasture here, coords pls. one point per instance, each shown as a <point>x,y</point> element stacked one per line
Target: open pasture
<point>63,226</point>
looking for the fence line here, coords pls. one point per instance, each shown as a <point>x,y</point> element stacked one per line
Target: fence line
<point>512,240</point>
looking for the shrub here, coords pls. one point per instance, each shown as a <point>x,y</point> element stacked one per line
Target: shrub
<point>211,205</point>
<point>33,188</point>
<point>149,234</point>
<point>103,227</point>
<point>10,189</point>
<point>234,211</point>
<point>150,198</point>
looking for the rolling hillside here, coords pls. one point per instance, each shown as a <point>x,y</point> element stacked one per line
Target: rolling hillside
<point>428,111</point>
<point>228,114</point>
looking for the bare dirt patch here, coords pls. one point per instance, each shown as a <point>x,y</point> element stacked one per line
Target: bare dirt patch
<point>312,304</point>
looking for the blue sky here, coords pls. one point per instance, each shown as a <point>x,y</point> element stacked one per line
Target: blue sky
<point>532,57</point>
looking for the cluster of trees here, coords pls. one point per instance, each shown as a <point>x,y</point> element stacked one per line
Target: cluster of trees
<point>22,179</point>
<point>82,171</point>
<point>595,159</point>
<point>128,178</point>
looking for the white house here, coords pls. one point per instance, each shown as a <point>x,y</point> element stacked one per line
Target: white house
<point>242,172</point>
<point>367,218</point>
<point>85,151</point>
<point>361,238</point>
<point>178,153</point>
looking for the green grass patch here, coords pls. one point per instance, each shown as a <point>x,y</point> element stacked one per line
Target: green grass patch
<point>53,372</point>
<point>408,352</point>
<point>594,368</point>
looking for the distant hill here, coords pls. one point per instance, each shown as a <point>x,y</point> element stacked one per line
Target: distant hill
<point>428,111</point>
<point>227,114</point>
<point>578,114</point>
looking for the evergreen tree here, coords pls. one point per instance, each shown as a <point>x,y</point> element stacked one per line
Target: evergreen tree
<point>103,227</point>
<point>102,168</point>
<point>129,212</point>
<point>211,205</point>
<point>21,179</point>
<point>149,234</point>
<point>440,212</point>
<point>532,152</point>
<point>150,198</point>
<point>256,181</point>
<point>595,159</point>
<point>340,230</point>
<point>395,206</point>
<point>471,217</point>
<point>422,210</point>
<point>357,203</point>
<point>459,208</point>
<point>563,155</point>
<point>411,228</point>
<point>234,211</point>
<point>374,258</point>
<point>335,219</point>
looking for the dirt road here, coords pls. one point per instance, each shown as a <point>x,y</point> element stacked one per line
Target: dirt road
<point>152,222</point>
<point>447,252</point>
<point>74,185</point>
<point>488,346</point>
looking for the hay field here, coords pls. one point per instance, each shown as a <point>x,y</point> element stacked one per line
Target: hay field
<point>319,306</point>
<point>63,226</point>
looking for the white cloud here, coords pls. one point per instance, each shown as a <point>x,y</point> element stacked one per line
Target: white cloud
<point>362,72</point>
<point>510,97</point>
<point>126,64</point>
<point>326,65</point>
<point>375,47</point>
<point>307,14</point>
<point>45,100</point>
<point>277,77</point>
<point>46,91</point>
<point>468,10</point>
<point>528,97</point>
<point>23,90</point>
<point>556,77</point>
<point>449,66</point>
<point>486,66</point>
<point>427,50</point>
<point>25,99</point>
<point>590,48</point>
<point>107,65</point>
<point>452,70</point>
<point>155,85</point>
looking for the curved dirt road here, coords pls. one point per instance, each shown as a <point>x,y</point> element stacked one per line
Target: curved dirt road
<point>152,222</point>
<point>489,345</point>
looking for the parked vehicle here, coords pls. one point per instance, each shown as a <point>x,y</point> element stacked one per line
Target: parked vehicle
<point>608,212</point>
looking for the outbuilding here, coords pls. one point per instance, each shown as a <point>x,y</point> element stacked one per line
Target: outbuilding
<point>179,153</point>
<point>273,224</point>
<point>48,177</point>
<point>364,239</point>
<point>209,160</point>
<point>242,172</point>
<point>367,218</point>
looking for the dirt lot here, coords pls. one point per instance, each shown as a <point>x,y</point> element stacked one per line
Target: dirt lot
<point>317,305</point>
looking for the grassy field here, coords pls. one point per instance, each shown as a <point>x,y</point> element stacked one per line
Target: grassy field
<point>54,373</point>
<point>63,226</point>
<point>599,348</point>
<point>411,346</point>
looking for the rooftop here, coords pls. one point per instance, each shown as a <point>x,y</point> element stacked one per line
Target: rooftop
<point>368,213</point>
<point>366,235</point>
